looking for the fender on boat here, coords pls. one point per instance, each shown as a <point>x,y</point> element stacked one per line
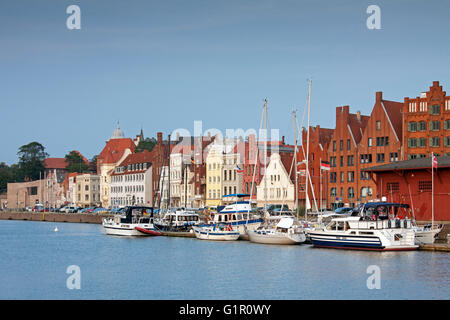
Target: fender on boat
<point>148,231</point>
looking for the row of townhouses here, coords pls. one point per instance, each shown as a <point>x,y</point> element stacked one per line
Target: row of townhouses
<point>200,171</point>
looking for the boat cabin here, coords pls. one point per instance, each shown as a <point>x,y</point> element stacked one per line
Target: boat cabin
<point>135,215</point>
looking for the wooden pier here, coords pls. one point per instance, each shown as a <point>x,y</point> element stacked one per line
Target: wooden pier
<point>442,247</point>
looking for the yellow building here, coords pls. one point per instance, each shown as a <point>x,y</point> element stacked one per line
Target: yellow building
<point>214,164</point>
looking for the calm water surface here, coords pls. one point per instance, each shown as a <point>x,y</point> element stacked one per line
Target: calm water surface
<point>34,260</point>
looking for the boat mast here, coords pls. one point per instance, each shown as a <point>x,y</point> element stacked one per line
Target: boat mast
<point>168,164</point>
<point>307,150</point>
<point>265,155</point>
<point>296,165</point>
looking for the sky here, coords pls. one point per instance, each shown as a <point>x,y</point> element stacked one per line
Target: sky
<point>161,65</point>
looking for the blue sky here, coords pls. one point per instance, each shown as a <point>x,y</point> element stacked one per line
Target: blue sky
<point>164,64</point>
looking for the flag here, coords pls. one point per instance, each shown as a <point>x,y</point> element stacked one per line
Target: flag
<point>239,170</point>
<point>325,165</point>
<point>434,162</point>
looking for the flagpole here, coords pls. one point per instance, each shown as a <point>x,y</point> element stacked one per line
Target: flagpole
<point>432,190</point>
<point>320,178</point>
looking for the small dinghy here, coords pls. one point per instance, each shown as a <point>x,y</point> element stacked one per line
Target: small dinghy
<point>151,232</point>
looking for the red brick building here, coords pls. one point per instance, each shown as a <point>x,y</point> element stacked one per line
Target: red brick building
<point>381,143</point>
<point>426,124</point>
<point>319,142</point>
<point>343,181</point>
<point>410,182</point>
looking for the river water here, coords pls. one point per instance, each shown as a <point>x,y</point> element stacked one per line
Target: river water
<point>35,264</point>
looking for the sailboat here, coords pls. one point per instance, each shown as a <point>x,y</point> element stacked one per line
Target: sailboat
<point>286,231</point>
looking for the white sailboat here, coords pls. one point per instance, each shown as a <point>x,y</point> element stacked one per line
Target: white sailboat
<point>286,231</point>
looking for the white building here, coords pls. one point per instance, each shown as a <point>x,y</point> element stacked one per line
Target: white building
<point>276,186</point>
<point>131,181</point>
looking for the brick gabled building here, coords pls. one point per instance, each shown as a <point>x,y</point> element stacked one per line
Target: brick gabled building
<point>381,143</point>
<point>426,124</point>
<point>342,153</point>
<point>319,141</point>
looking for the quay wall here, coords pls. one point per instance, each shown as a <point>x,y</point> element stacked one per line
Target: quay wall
<point>53,217</point>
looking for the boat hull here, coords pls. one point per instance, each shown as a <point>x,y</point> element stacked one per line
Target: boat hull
<point>241,226</point>
<point>275,238</point>
<point>205,234</point>
<point>325,239</point>
<point>128,229</point>
<point>426,236</point>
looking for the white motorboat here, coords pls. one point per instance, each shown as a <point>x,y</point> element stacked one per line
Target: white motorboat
<point>178,219</point>
<point>378,226</point>
<point>284,232</point>
<point>238,214</point>
<point>132,221</point>
<point>217,232</point>
<point>427,234</point>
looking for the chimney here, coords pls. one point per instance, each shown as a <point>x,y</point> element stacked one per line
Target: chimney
<point>378,96</point>
<point>159,136</point>
<point>282,140</point>
<point>358,115</point>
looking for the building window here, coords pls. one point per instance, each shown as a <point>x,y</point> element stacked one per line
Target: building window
<point>378,125</point>
<point>380,157</point>
<point>393,187</point>
<point>435,109</point>
<point>350,161</point>
<point>350,176</point>
<point>412,143</point>
<point>369,142</point>
<point>334,145</point>
<point>435,125</point>
<point>332,162</point>
<point>412,126</point>
<point>447,141</point>
<point>425,186</point>
<point>342,161</point>
<point>351,193</point>
<point>333,192</point>
<point>446,124</point>
<point>341,145</point>
<point>422,142</point>
<point>364,175</point>
<point>435,142</point>
<point>348,144</point>
<point>393,157</point>
<point>342,176</point>
<point>422,126</point>
<point>366,158</point>
<point>332,177</point>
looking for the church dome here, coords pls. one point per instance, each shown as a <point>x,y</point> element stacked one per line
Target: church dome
<point>118,133</point>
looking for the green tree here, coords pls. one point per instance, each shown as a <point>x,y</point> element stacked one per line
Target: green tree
<point>31,160</point>
<point>76,163</point>
<point>5,176</point>
<point>146,144</point>
<point>93,164</point>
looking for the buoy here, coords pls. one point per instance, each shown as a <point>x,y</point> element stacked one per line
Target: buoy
<point>56,229</point>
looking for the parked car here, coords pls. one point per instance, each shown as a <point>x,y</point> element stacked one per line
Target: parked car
<point>29,209</point>
<point>344,210</point>
<point>100,210</point>
<point>71,209</point>
<point>38,208</point>
<point>62,208</point>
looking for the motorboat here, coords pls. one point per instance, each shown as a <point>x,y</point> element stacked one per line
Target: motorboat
<point>218,232</point>
<point>178,219</point>
<point>132,221</point>
<point>380,226</point>
<point>427,234</point>
<point>238,214</point>
<point>284,232</point>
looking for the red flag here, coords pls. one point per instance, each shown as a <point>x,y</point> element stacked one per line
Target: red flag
<point>434,162</point>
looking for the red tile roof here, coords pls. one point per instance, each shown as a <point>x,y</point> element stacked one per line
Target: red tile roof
<point>55,163</point>
<point>114,150</point>
<point>140,157</point>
